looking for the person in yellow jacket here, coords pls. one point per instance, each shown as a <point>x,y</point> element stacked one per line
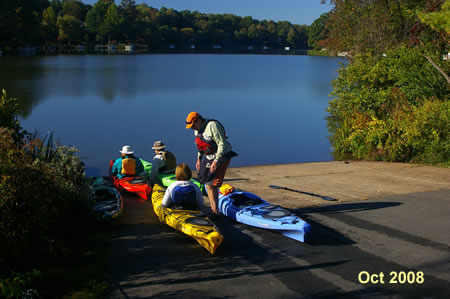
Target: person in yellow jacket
<point>127,164</point>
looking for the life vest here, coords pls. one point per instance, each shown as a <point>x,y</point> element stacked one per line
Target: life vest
<point>184,196</point>
<point>205,144</point>
<point>128,166</point>
<point>171,161</point>
<point>226,189</point>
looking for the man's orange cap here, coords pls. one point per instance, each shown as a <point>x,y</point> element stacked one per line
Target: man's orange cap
<point>193,116</point>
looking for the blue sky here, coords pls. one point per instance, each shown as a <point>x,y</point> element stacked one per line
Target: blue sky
<point>302,12</point>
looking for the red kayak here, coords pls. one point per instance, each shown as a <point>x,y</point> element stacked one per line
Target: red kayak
<point>137,185</point>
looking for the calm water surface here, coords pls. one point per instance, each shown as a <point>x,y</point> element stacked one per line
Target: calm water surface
<point>272,106</point>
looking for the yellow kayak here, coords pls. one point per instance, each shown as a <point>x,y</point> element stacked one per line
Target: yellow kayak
<point>189,222</point>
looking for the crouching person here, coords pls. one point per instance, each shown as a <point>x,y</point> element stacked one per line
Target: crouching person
<point>184,194</point>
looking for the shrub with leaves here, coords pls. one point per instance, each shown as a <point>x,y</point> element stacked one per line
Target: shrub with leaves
<point>8,118</point>
<point>42,203</point>
<point>16,286</point>
<point>391,108</point>
<point>44,216</point>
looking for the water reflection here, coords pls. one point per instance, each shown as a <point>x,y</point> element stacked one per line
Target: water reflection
<point>18,76</point>
<point>273,107</point>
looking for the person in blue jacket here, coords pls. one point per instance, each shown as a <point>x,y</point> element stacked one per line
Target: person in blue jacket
<point>127,165</point>
<point>184,193</point>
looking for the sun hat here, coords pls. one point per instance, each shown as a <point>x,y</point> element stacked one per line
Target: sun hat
<point>126,149</point>
<point>193,116</point>
<point>158,145</point>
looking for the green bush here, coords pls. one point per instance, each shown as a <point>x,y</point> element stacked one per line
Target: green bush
<point>392,108</point>
<point>422,133</point>
<point>43,203</point>
<point>17,285</point>
<point>8,118</point>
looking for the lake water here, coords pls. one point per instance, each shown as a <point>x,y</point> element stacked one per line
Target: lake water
<point>272,106</point>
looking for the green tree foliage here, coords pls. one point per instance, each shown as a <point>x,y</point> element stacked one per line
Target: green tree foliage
<point>187,35</point>
<point>95,18</point>
<point>112,22</point>
<point>362,25</point>
<point>69,29</point>
<point>130,15</point>
<point>140,24</point>
<point>253,32</point>
<point>19,22</point>
<point>147,27</point>
<point>49,25</point>
<point>297,37</point>
<point>74,8</point>
<point>391,100</point>
<point>57,6</point>
<point>380,109</point>
<point>318,31</point>
<point>8,116</point>
<point>432,37</point>
<point>438,20</point>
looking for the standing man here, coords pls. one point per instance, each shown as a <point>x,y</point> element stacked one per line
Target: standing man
<point>214,154</point>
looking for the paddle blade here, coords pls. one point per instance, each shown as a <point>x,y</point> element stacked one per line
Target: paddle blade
<point>328,198</point>
<point>275,187</point>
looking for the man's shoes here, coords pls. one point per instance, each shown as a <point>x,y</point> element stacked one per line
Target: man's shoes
<point>212,216</point>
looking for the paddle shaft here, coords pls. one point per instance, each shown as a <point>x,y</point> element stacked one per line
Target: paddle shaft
<point>304,192</point>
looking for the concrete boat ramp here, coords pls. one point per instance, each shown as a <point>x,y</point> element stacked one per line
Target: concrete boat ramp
<point>385,236</point>
<point>345,181</point>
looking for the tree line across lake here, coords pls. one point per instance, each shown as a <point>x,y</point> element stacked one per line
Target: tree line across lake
<point>72,22</point>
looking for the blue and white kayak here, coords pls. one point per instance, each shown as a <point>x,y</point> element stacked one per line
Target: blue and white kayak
<point>250,209</point>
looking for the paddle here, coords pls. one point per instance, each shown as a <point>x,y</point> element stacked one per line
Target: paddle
<point>308,193</point>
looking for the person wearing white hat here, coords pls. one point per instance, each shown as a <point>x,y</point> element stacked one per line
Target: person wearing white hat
<point>163,162</point>
<point>127,164</point>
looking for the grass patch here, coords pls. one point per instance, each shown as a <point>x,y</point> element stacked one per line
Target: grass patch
<point>320,53</point>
